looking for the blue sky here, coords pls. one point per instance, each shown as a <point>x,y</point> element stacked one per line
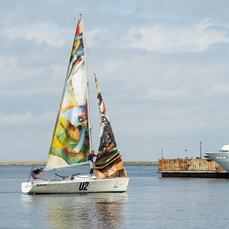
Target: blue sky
<point>162,67</point>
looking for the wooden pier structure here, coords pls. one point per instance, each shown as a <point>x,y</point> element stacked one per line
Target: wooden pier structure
<point>198,168</point>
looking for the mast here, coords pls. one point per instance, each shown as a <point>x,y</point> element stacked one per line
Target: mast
<point>71,140</point>
<point>88,103</point>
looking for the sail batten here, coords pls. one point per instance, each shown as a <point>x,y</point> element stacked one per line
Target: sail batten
<point>71,138</point>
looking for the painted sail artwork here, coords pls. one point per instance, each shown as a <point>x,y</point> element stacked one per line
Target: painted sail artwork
<point>108,162</point>
<point>70,143</point>
<point>71,140</point>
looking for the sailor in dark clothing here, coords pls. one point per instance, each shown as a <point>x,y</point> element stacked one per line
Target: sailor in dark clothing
<point>90,161</point>
<point>35,172</point>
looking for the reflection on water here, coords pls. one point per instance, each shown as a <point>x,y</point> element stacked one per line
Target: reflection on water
<point>98,210</point>
<point>150,202</point>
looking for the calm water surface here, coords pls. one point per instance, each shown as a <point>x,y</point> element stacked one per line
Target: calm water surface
<point>150,202</point>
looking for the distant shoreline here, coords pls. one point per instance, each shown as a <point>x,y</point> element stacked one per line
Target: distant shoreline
<point>44,163</point>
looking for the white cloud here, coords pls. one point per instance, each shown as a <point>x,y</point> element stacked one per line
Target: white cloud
<point>155,99</point>
<point>176,38</point>
<point>4,61</point>
<point>26,119</point>
<point>37,91</point>
<point>94,35</point>
<point>216,90</point>
<point>150,93</point>
<point>12,71</point>
<point>167,94</point>
<point>38,32</point>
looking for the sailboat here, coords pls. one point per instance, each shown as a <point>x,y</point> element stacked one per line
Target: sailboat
<point>72,142</point>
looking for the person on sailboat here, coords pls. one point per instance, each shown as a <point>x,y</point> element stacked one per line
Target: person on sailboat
<point>35,172</point>
<point>90,161</point>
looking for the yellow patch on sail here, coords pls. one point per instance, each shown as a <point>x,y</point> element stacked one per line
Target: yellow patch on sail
<point>111,145</point>
<point>56,143</point>
<point>69,100</point>
<point>70,105</point>
<point>72,131</point>
<point>75,46</point>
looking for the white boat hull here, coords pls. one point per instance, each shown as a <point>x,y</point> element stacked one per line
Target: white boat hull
<point>84,184</point>
<point>221,158</point>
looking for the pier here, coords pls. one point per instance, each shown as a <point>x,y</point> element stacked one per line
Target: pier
<point>198,168</point>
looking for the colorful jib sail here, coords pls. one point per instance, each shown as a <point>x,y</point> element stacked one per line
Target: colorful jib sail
<point>108,162</point>
<point>70,143</point>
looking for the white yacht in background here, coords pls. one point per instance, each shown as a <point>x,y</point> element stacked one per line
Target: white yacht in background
<point>221,157</point>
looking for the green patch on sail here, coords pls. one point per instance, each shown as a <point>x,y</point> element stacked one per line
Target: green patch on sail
<point>66,141</point>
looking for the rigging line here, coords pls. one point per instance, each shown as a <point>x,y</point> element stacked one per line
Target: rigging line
<point>90,56</point>
<point>53,97</point>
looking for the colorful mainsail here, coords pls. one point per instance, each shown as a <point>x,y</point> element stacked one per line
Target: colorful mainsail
<point>71,143</point>
<point>108,162</point>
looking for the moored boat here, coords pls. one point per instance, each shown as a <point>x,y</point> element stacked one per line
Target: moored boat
<point>221,157</point>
